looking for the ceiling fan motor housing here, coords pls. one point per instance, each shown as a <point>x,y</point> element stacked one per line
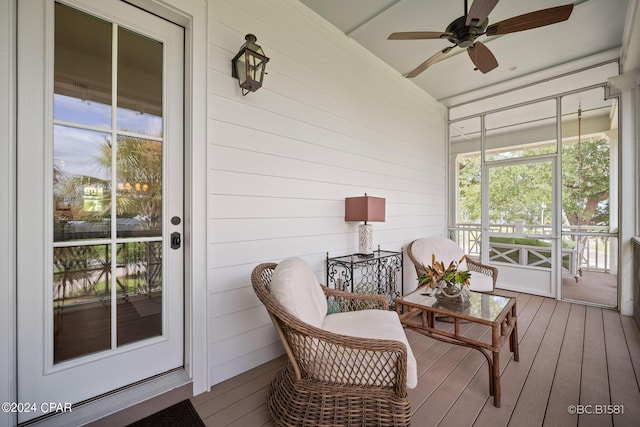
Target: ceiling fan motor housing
<point>463,35</point>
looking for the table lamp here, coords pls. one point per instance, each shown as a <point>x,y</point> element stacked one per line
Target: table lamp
<point>367,209</point>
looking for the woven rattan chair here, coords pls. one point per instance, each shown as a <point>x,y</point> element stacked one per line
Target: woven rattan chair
<point>334,379</point>
<point>483,277</point>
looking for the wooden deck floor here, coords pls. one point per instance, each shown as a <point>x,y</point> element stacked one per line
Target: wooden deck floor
<point>570,354</point>
<point>592,288</point>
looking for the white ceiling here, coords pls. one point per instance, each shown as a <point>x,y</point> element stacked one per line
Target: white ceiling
<point>593,34</point>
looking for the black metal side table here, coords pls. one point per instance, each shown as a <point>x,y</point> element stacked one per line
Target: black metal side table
<point>378,274</point>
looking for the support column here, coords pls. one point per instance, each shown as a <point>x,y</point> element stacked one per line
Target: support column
<point>629,203</point>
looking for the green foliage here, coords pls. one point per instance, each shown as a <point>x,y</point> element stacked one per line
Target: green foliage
<point>469,188</point>
<point>585,178</point>
<point>138,189</point>
<point>437,272</point>
<point>523,192</point>
<point>520,192</point>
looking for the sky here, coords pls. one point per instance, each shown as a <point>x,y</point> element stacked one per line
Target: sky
<point>75,149</point>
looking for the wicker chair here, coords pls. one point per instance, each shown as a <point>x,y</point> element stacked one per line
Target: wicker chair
<point>330,378</point>
<point>483,277</point>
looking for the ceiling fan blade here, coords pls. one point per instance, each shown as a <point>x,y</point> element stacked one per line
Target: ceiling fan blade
<point>479,11</point>
<point>429,62</point>
<point>418,35</point>
<point>482,57</point>
<point>531,20</point>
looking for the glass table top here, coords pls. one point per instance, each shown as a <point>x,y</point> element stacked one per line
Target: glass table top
<point>481,306</point>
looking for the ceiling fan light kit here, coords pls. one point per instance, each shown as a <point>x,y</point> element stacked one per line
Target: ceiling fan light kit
<point>464,31</point>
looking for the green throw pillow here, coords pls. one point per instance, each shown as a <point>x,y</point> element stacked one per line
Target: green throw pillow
<point>504,240</point>
<point>333,307</point>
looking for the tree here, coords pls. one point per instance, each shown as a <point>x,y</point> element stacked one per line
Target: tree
<point>523,191</point>
<point>139,179</point>
<point>138,187</point>
<point>469,190</point>
<point>585,178</point>
<point>520,192</point>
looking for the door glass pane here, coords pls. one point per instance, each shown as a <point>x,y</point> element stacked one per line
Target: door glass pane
<point>81,184</point>
<point>524,131</point>
<point>93,158</point>
<point>81,301</point>
<point>139,291</point>
<point>139,84</point>
<point>139,194</point>
<point>82,76</point>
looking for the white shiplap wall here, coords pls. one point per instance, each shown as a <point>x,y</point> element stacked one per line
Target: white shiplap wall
<point>332,121</point>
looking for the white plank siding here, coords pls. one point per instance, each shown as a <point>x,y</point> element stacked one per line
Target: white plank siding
<point>332,121</point>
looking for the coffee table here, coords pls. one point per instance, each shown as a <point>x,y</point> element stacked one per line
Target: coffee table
<point>497,312</point>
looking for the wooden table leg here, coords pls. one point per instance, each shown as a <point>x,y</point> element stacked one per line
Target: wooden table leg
<point>496,379</point>
<point>514,337</point>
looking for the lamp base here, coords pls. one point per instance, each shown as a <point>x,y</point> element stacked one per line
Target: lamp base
<point>365,239</point>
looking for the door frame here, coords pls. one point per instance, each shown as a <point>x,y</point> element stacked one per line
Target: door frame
<point>8,333</point>
<point>191,14</point>
<point>553,160</point>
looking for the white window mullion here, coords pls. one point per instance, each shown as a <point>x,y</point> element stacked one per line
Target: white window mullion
<point>114,185</point>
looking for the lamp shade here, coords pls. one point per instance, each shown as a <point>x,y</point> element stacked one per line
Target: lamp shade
<point>364,208</point>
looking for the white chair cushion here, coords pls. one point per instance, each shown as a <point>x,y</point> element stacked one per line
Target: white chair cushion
<point>445,250</point>
<point>295,286</point>
<point>480,282</point>
<point>373,324</point>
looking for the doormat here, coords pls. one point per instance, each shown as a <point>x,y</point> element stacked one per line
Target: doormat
<point>182,414</point>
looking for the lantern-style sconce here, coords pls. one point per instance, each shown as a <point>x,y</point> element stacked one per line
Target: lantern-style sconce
<point>248,65</point>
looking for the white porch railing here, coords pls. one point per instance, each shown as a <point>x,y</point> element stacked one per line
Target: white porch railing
<point>595,242</point>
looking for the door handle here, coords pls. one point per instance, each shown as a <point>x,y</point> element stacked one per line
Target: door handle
<point>176,240</point>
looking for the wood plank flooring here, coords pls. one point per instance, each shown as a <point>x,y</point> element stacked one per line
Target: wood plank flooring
<point>592,287</point>
<point>570,354</point>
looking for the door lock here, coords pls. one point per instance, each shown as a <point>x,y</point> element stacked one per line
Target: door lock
<point>176,240</point>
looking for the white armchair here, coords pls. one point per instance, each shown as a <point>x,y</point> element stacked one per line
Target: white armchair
<point>350,367</point>
<point>420,251</point>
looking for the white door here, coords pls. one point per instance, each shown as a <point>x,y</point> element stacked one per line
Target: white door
<point>520,191</point>
<point>100,183</point>
<point>520,236</point>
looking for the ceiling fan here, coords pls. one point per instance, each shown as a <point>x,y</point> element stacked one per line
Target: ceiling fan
<point>464,31</point>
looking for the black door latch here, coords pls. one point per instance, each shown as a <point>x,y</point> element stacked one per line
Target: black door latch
<point>176,240</point>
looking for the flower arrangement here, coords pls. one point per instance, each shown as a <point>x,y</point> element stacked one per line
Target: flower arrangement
<point>436,272</point>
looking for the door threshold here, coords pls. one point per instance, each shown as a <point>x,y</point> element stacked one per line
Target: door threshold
<point>126,405</point>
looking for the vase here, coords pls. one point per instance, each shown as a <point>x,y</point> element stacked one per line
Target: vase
<point>452,292</point>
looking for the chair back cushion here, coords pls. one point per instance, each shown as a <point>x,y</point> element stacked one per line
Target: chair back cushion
<point>296,288</point>
<point>445,250</point>
<point>480,282</point>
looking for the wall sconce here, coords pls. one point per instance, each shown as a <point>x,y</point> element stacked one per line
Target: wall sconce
<point>365,209</point>
<point>248,65</point>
